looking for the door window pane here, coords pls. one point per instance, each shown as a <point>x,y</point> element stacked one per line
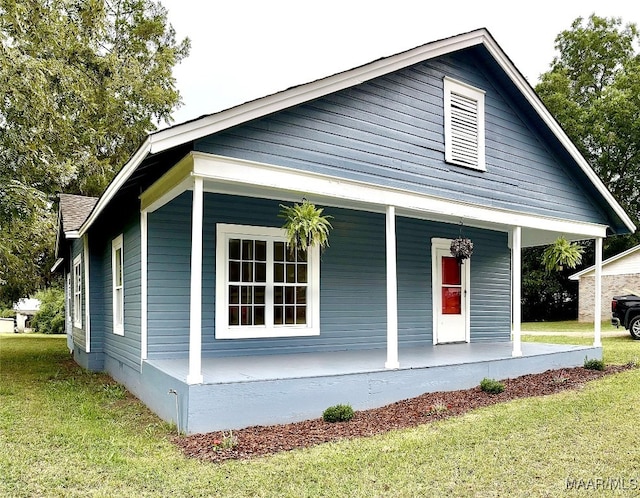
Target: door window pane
<point>451,271</point>
<point>451,301</point>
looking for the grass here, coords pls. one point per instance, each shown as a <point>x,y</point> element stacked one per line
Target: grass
<point>568,326</point>
<point>67,432</point>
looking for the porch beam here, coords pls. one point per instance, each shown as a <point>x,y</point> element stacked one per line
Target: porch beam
<point>392,291</point>
<point>195,305</point>
<point>597,314</point>
<point>516,291</point>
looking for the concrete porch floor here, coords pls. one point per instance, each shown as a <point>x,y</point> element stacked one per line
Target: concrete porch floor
<point>321,364</point>
<point>243,391</point>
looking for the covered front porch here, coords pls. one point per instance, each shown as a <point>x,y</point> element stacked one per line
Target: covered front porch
<point>243,391</point>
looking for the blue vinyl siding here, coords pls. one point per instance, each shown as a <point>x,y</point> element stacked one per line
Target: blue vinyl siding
<point>123,348</point>
<point>353,280</point>
<point>169,254</point>
<point>389,131</point>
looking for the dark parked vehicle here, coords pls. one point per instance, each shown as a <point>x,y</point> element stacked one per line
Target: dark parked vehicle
<point>625,311</point>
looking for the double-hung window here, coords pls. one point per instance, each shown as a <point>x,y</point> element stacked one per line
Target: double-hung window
<point>117,270</point>
<point>77,292</point>
<point>262,288</point>
<point>464,125</point>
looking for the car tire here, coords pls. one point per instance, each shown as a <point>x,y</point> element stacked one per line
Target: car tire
<point>634,327</point>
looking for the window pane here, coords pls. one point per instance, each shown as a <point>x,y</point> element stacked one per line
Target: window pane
<point>301,314</point>
<point>247,249</point>
<point>234,294</point>
<point>278,272</point>
<point>259,295</point>
<point>247,295</point>
<point>261,272</point>
<point>258,315</point>
<point>291,256</point>
<point>278,251</point>
<point>450,271</point>
<point>289,295</point>
<point>261,250</point>
<point>234,271</point>
<point>278,295</point>
<point>451,301</point>
<point>277,315</point>
<point>302,274</point>
<point>302,256</point>
<point>291,273</point>
<point>301,295</point>
<point>118,259</point>
<point>234,249</point>
<point>289,315</point>
<point>234,315</point>
<point>247,272</point>
<point>246,315</point>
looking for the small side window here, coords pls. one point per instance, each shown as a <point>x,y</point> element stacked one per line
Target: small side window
<point>117,270</point>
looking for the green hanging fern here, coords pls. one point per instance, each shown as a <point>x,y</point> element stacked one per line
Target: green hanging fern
<point>305,226</point>
<point>562,253</point>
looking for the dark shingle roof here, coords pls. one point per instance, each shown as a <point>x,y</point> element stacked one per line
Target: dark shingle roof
<point>74,210</point>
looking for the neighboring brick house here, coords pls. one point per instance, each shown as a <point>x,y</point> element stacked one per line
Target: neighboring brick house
<point>619,272</point>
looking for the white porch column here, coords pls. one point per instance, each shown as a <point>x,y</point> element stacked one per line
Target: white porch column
<point>597,312</point>
<point>516,291</point>
<point>195,308</point>
<point>392,291</point>
<point>144,254</point>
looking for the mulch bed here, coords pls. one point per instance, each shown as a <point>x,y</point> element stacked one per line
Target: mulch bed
<point>267,440</point>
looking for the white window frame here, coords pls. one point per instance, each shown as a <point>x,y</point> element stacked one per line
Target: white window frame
<point>224,232</point>
<point>77,291</point>
<point>117,289</point>
<point>469,93</point>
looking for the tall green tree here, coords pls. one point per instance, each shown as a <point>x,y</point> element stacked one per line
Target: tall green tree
<point>83,82</point>
<point>593,90</point>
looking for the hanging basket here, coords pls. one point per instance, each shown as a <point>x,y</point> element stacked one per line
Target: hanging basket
<point>461,249</point>
<point>306,226</point>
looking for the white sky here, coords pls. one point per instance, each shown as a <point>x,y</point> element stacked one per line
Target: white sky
<point>245,49</point>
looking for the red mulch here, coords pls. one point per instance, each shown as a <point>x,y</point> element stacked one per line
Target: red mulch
<point>266,440</point>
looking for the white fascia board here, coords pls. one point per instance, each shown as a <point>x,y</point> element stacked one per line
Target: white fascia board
<point>72,234</point>
<point>533,99</point>
<point>123,175</point>
<point>576,276</point>
<point>223,173</point>
<point>55,266</point>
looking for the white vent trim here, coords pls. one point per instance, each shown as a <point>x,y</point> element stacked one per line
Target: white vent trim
<point>464,128</point>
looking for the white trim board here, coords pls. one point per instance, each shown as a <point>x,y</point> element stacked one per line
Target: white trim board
<point>206,125</point>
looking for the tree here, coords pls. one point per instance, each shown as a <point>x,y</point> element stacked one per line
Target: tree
<point>593,90</point>
<point>82,82</point>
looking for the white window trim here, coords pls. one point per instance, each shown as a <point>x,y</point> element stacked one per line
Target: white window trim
<point>77,292</point>
<point>470,92</point>
<point>118,327</point>
<point>224,232</point>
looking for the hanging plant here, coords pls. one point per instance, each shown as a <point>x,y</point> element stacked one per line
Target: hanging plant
<point>305,226</point>
<point>562,253</point>
<point>461,248</point>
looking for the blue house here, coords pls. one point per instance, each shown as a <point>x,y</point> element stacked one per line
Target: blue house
<point>179,284</point>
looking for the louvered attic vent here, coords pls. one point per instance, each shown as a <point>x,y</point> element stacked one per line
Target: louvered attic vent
<point>464,130</point>
<point>464,124</point>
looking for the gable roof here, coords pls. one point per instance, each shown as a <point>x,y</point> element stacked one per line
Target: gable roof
<point>195,129</point>
<point>613,259</point>
<point>74,210</point>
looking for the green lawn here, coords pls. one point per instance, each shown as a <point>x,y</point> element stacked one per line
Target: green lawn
<point>66,432</point>
<point>568,326</point>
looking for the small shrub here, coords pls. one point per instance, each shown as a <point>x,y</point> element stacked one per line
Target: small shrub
<point>225,442</point>
<point>437,408</point>
<point>338,413</point>
<point>491,386</point>
<point>593,364</point>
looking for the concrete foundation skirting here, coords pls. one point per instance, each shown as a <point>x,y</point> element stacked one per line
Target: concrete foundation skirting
<point>222,406</point>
